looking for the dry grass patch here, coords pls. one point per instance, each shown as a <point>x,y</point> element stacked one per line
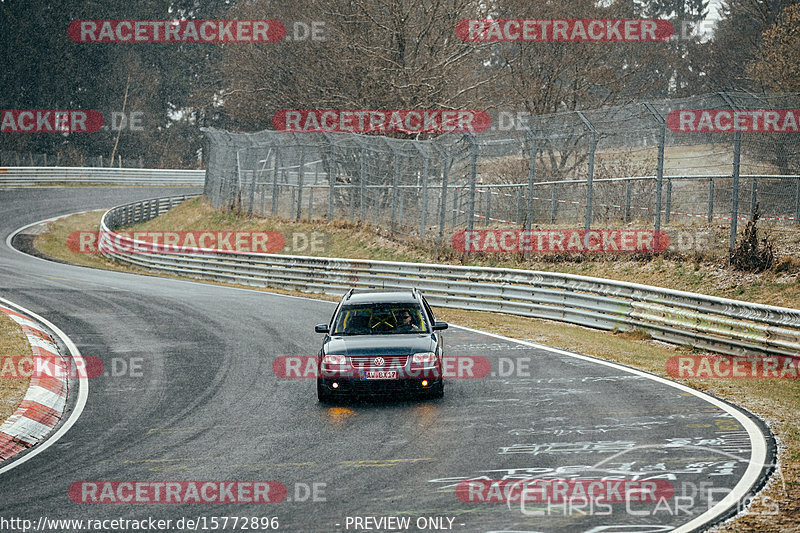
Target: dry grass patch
<point>13,343</point>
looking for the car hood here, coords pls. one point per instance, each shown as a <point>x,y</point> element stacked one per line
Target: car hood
<point>398,344</point>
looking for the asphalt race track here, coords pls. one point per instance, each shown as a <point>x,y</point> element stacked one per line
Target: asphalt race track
<point>202,403</point>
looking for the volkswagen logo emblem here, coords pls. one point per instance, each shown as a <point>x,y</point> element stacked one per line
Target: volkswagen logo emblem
<point>378,361</point>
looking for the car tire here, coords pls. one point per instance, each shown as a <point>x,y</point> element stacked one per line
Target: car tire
<point>322,395</point>
<point>438,391</point>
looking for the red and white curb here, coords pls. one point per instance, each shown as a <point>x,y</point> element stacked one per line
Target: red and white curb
<point>46,398</point>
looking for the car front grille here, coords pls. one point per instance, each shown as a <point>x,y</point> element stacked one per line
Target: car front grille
<point>367,362</point>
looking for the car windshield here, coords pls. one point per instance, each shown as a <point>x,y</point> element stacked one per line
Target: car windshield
<point>380,319</point>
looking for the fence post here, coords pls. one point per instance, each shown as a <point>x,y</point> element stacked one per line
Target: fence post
<point>627,214</point>
<point>488,206</point>
<point>311,203</point>
<point>275,168</point>
<point>473,178</point>
<point>531,174</point>
<point>301,176</point>
<point>331,179</point>
<point>362,177</point>
<point>395,185</point>
<point>424,218</point>
<point>443,209</point>
<point>710,216</point>
<point>252,192</point>
<point>662,135</point>
<point>400,207</point>
<point>668,210</point>
<point>797,203</point>
<point>424,202</point>
<point>263,189</point>
<point>753,196</point>
<point>292,191</point>
<point>554,205</point>
<point>737,147</point>
<point>376,201</point>
<point>456,206</point>
<point>587,225</point>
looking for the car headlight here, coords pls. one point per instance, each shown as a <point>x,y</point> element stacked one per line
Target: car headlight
<point>424,358</point>
<point>334,360</point>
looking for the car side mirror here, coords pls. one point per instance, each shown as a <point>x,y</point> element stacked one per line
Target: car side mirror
<point>437,326</point>
<point>321,328</point>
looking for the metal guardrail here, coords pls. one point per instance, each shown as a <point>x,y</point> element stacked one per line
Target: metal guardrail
<point>27,176</point>
<point>717,324</point>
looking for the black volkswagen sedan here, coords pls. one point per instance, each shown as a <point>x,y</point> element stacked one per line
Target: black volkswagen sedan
<point>385,343</point>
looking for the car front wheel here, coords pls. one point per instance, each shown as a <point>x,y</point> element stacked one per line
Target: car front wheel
<point>438,390</point>
<point>322,395</point>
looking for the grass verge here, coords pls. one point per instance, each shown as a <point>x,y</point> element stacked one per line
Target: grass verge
<point>777,401</point>
<point>13,343</point>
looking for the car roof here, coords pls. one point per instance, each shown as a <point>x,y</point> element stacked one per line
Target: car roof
<point>380,296</point>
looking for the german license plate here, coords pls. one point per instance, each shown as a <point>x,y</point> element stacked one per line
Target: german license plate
<point>379,374</point>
